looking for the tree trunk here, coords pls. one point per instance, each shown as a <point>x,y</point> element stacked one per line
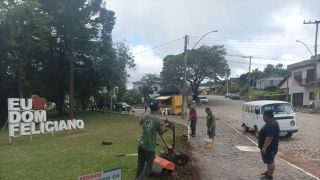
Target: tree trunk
<point>195,94</point>
<point>19,78</point>
<point>71,82</point>
<point>60,102</point>
<point>195,90</point>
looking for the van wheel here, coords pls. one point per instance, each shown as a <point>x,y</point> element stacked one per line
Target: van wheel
<point>256,131</point>
<point>289,134</point>
<point>246,129</point>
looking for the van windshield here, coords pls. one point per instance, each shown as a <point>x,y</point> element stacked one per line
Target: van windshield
<point>284,108</point>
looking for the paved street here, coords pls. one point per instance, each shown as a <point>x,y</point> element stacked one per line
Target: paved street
<point>225,161</point>
<point>303,149</point>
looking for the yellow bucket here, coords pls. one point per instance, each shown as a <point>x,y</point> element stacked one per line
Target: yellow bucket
<point>208,143</point>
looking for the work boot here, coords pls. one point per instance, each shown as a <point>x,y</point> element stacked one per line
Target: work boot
<point>266,176</point>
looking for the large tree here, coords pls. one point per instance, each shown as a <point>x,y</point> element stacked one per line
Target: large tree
<point>206,62</point>
<point>58,48</point>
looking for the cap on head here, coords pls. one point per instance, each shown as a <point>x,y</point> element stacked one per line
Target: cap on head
<point>154,105</point>
<point>268,113</point>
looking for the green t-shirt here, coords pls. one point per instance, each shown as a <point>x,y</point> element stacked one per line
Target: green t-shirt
<point>151,125</point>
<point>211,120</point>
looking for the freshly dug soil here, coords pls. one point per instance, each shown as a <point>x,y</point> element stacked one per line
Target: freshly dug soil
<point>187,172</point>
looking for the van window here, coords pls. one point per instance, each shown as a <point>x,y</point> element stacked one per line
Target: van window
<point>257,109</point>
<point>251,109</point>
<point>279,108</point>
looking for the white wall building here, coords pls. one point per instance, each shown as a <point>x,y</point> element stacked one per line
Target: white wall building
<point>156,87</point>
<point>268,82</point>
<point>302,88</point>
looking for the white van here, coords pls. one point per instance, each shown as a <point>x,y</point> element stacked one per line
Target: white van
<point>252,116</point>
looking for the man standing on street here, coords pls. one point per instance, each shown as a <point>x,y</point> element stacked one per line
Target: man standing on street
<point>193,119</point>
<point>211,124</point>
<point>151,126</point>
<point>268,141</point>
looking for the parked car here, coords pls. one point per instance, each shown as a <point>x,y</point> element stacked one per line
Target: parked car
<point>122,106</point>
<point>235,97</point>
<point>252,116</point>
<point>227,95</point>
<point>203,99</point>
<point>232,96</point>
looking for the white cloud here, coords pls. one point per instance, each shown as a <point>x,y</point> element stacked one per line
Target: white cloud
<point>247,27</point>
<point>147,62</point>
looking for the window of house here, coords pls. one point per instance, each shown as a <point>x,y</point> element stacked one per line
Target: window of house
<point>311,96</point>
<point>310,75</point>
<point>155,88</point>
<point>298,76</point>
<point>271,82</point>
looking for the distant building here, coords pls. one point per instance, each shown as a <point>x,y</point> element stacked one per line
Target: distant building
<point>233,81</point>
<point>156,87</point>
<point>268,82</point>
<point>303,82</point>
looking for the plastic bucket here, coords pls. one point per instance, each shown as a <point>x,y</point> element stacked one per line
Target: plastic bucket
<point>208,143</point>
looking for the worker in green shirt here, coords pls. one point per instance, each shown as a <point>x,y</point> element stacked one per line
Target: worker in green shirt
<point>211,124</point>
<point>151,126</point>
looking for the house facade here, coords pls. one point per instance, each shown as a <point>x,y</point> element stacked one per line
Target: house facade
<point>156,87</point>
<point>302,90</point>
<point>285,84</point>
<point>268,82</point>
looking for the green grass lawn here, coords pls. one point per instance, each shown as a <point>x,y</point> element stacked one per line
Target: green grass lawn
<point>66,156</point>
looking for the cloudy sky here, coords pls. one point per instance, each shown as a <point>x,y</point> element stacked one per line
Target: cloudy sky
<point>267,30</point>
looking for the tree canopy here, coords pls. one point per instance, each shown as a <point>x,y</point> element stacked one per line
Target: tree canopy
<point>59,48</point>
<point>206,62</point>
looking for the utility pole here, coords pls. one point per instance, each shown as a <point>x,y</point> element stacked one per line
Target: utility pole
<point>249,77</point>
<point>227,82</point>
<point>316,94</point>
<point>288,88</point>
<point>184,93</point>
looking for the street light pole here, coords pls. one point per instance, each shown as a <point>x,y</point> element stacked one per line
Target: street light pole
<point>316,96</point>
<point>184,94</point>
<point>305,45</point>
<point>316,89</point>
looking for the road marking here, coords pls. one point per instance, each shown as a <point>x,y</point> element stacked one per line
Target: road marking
<point>248,148</point>
<point>294,166</point>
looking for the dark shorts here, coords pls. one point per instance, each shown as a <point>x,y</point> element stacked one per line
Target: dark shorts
<point>269,156</point>
<point>212,133</point>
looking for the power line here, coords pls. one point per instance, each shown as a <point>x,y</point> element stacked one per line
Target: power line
<point>247,39</point>
<point>265,58</point>
<point>253,44</point>
<point>158,46</point>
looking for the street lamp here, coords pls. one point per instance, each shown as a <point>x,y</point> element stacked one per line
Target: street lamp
<point>316,96</point>
<point>184,99</point>
<point>203,37</point>
<point>305,46</point>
